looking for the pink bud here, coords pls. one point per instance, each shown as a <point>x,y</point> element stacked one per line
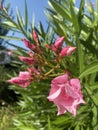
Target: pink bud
<point>28,44</point>
<point>35,36</point>
<point>56,47</point>
<point>23,80</point>
<point>68,50</point>
<point>27,60</point>
<point>58,43</point>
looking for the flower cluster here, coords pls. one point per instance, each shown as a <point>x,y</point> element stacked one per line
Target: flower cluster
<point>65,92</point>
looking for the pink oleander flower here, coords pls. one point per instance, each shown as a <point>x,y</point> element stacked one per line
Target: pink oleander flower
<point>27,60</point>
<point>28,44</point>
<point>68,50</point>
<point>58,44</point>
<point>23,80</point>
<point>66,94</point>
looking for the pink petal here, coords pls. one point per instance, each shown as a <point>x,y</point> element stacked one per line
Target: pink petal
<point>60,79</point>
<point>61,110</point>
<point>75,83</point>
<point>24,75</point>
<point>52,97</point>
<point>71,91</point>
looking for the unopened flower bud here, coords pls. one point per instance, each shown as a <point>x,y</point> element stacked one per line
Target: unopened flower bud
<point>35,36</point>
<point>57,46</point>
<point>28,44</point>
<point>68,50</point>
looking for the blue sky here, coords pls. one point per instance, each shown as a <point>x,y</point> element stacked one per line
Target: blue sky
<point>35,8</point>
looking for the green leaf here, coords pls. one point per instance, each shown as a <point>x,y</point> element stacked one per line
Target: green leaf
<point>60,9</point>
<point>91,68</point>
<point>94,86</point>
<point>92,96</point>
<point>97,6</point>
<point>26,15</point>
<point>20,23</point>
<point>77,127</point>
<point>95,114</point>
<point>81,9</point>
<point>41,30</point>
<point>74,19</point>
<point>57,29</point>
<point>10,38</point>
<point>80,55</point>
<point>9,23</point>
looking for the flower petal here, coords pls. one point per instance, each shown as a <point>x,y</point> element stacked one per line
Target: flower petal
<point>60,79</point>
<point>53,96</point>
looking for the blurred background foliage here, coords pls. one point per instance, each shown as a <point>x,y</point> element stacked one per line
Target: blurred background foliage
<point>32,110</point>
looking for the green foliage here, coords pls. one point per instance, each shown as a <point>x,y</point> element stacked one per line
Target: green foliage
<point>80,28</point>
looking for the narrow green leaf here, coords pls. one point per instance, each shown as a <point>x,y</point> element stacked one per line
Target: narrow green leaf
<point>94,86</point>
<point>97,6</point>
<point>95,114</point>
<point>26,128</point>
<point>80,57</point>
<point>20,17</point>
<point>9,23</point>
<point>26,15</point>
<point>49,123</point>
<point>91,68</point>
<point>77,127</point>
<point>41,29</point>
<point>92,96</point>
<point>9,20</point>
<point>57,29</point>
<point>33,22</point>
<point>81,12</point>
<point>20,23</point>
<point>74,19</point>
<point>60,9</point>
<point>10,38</point>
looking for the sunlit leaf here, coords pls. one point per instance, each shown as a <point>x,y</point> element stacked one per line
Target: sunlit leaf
<point>91,68</point>
<point>92,96</point>
<point>26,15</point>
<point>10,38</point>
<point>60,9</point>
